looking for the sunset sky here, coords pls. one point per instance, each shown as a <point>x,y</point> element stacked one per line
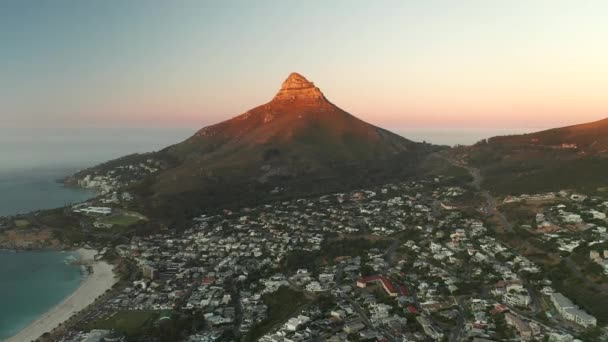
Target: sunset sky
<point>398,64</point>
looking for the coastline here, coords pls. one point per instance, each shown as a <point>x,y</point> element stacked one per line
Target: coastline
<point>38,193</point>
<point>95,284</point>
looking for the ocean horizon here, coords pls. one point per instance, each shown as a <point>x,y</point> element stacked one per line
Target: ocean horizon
<point>39,189</point>
<point>31,169</point>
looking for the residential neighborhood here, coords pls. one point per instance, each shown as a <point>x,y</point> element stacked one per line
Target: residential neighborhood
<point>401,262</point>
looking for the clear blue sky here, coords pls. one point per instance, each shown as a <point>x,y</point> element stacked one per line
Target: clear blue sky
<point>394,63</point>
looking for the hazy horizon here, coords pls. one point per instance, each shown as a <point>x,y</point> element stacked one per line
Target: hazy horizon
<point>58,151</point>
<point>238,151</point>
<point>116,77</point>
<point>69,149</point>
<point>392,63</point>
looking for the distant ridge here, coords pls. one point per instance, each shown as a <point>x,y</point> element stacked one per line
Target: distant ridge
<point>589,137</point>
<point>573,157</point>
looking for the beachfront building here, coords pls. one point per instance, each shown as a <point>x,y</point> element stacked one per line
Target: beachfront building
<point>95,210</point>
<point>98,335</point>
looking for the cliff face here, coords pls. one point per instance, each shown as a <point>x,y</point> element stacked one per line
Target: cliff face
<point>298,88</point>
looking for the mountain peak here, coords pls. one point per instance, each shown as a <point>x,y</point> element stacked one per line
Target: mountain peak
<point>297,87</point>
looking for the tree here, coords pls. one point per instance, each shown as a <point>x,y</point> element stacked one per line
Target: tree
<point>367,270</point>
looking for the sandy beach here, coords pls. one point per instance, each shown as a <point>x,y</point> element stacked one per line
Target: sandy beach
<point>93,286</point>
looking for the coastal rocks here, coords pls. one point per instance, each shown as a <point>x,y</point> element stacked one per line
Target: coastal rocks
<point>29,239</point>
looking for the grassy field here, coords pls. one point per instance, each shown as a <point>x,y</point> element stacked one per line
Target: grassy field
<point>22,223</point>
<point>121,220</point>
<point>131,323</point>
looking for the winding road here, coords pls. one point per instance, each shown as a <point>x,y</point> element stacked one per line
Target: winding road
<point>490,207</point>
<point>491,210</point>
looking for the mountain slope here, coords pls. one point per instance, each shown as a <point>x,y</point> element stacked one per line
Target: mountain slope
<point>590,138</point>
<point>573,157</point>
<point>299,131</point>
<point>299,142</point>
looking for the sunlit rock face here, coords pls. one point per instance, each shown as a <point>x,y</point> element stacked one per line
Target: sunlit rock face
<point>299,132</point>
<point>297,88</point>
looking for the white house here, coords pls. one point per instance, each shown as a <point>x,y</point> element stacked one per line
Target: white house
<point>570,311</point>
<point>295,323</point>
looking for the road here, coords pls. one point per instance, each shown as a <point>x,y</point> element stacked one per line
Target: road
<point>490,207</point>
<point>458,333</point>
<point>518,313</point>
<point>491,210</point>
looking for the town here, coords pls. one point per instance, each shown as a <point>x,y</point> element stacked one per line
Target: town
<point>401,262</point>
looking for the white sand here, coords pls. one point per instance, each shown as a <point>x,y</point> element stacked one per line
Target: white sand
<point>92,287</point>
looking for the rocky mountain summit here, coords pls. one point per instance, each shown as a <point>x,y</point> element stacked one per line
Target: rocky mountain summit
<point>297,88</point>
<point>298,132</point>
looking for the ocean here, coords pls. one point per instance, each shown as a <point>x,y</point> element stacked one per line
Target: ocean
<point>457,136</point>
<point>30,284</point>
<point>31,162</point>
<point>38,150</point>
<point>29,190</point>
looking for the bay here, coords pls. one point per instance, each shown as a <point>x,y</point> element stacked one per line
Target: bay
<point>40,189</point>
<point>33,160</point>
<point>31,163</point>
<point>31,283</point>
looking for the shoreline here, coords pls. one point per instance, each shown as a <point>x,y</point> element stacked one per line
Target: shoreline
<point>95,284</point>
<point>90,193</point>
